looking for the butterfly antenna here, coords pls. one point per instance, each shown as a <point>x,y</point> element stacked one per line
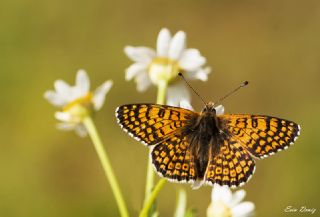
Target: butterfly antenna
<point>181,75</point>
<point>243,84</point>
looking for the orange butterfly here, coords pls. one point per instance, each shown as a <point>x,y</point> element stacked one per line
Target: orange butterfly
<point>205,148</point>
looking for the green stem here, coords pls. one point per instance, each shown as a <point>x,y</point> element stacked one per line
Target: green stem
<point>181,204</point>
<point>161,98</point>
<point>104,160</point>
<point>152,198</point>
<point>162,91</point>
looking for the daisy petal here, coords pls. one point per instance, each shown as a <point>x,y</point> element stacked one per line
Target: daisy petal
<point>177,45</point>
<point>191,60</point>
<point>197,184</point>
<point>135,69</point>
<point>140,54</point>
<point>244,209</point>
<point>81,130</point>
<point>176,93</point>
<point>65,126</point>
<point>62,116</point>
<point>221,193</point>
<point>54,98</point>
<point>100,93</point>
<point>237,197</point>
<point>143,82</point>
<point>186,105</point>
<point>201,74</point>
<point>219,110</point>
<point>63,89</point>
<point>163,42</point>
<point>82,82</point>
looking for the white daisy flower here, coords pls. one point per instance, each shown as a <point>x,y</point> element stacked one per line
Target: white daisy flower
<point>224,203</point>
<point>76,101</point>
<point>164,64</point>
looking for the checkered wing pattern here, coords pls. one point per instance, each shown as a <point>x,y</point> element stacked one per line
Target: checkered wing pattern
<point>261,135</point>
<point>152,123</point>
<point>172,159</point>
<point>231,166</point>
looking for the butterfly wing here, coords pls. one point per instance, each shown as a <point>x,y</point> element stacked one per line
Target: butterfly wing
<point>173,160</point>
<point>152,123</point>
<point>261,135</point>
<point>231,166</point>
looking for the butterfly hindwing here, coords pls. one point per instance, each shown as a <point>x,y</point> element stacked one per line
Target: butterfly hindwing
<point>152,123</point>
<point>172,159</point>
<point>261,135</point>
<point>231,166</point>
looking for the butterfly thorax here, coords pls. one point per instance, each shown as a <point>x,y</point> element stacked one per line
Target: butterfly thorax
<point>202,136</point>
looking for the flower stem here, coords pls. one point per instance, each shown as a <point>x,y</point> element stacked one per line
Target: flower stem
<point>181,203</point>
<point>104,160</point>
<point>162,91</point>
<point>149,202</point>
<point>161,98</point>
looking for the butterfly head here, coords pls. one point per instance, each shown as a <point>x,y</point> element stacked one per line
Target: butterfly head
<point>209,108</point>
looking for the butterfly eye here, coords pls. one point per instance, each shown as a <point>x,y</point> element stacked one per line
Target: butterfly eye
<point>209,108</point>
<point>205,109</point>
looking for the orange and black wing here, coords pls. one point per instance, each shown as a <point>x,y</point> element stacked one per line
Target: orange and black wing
<point>232,165</point>
<point>152,123</point>
<point>261,135</point>
<point>173,160</point>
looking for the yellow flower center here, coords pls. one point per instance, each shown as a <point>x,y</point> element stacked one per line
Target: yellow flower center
<point>79,108</point>
<point>163,69</point>
<point>85,100</point>
<point>219,209</point>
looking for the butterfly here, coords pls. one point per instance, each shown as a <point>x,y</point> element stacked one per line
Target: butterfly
<point>205,148</point>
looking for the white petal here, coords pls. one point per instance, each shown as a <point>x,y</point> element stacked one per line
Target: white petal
<point>221,193</point>
<point>177,45</point>
<point>163,42</point>
<point>219,110</point>
<point>65,126</point>
<point>186,105</point>
<point>100,93</point>
<point>143,82</point>
<point>81,130</point>
<point>200,74</point>
<point>135,69</point>
<point>63,89</point>
<point>82,82</point>
<point>176,93</point>
<point>140,54</point>
<point>54,98</point>
<point>218,209</point>
<point>244,209</point>
<point>237,197</point>
<point>197,184</point>
<point>191,60</point>
<point>63,116</point>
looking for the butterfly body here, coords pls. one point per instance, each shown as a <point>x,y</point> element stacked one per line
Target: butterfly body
<point>187,146</point>
<point>201,134</point>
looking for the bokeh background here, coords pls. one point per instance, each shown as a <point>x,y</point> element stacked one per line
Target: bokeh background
<point>45,172</point>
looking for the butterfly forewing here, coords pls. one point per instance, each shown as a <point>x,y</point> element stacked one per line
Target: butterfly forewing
<point>152,123</point>
<point>261,135</point>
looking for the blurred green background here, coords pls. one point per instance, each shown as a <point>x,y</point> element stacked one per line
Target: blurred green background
<point>45,172</point>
